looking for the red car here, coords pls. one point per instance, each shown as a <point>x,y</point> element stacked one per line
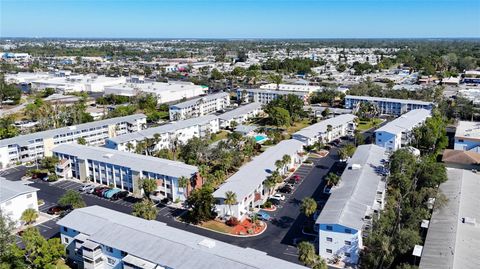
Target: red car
<point>296,178</point>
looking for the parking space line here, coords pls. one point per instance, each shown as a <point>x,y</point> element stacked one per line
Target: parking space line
<point>45,226</point>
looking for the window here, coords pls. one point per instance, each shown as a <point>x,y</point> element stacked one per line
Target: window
<point>347,254</point>
<point>329,250</point>
<point>110,261</point>
<point>329,228</point>
<point>66,240</point>
<point>29,195</point>
<point>109,249</point>
<point>348,231</point>
<point>65,229</point>
<point>329,239</point>
<point>460,140</point>
<point>67,251</point>
<point>348,243</point>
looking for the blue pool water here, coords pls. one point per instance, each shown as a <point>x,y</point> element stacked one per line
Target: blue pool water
<point>259,138</point>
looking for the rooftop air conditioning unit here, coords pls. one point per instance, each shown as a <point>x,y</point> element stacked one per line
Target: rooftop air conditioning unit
<point>208,243</point>
<point>468,220</point>
<point>108,155</point>
<point>356,166</point>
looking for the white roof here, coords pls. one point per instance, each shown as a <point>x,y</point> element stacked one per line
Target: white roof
<point>240,111</point>
<point>356,193</point>
<point>468,129</point>
<point>134,161</point>
<point>321,127</point>
<point>206,98</point>
<point>154,87</point>
<point>390,100</point>
<point>451,242</point>
<point>11,189</point>
<point>166,246</point>
<point>252,174</point>
<point>405,122</point>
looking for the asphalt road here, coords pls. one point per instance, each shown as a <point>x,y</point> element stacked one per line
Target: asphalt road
<point>278,240</point>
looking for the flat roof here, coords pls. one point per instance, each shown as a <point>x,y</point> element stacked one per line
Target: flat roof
<point>166,128</point>
<point>135,161</point>
<point>391,100</point>
<point>154,87</point>
<point>252,174</point>
<point>406,121</point>
<point>11,189</point>
<point>321,127</point>
<point>23,139</point>
<point>451,242</point>
<point>240,111</point>
<point>166,246</point>
<point>468,130</point>
<point>206,98</point>
<point>302,94</point>
<point>356,193</point>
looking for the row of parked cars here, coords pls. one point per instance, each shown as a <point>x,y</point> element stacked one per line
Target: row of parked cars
<point>105,192</point>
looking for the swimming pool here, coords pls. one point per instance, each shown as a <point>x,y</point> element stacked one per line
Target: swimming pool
<point>260,138</point>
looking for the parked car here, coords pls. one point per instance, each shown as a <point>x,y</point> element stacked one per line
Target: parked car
<point>86,187</point>
<point>119,195</point>
<point>102,192</point>
<point>57,209</point>
<point>285,189</point>
<point>294,179</point>
<point>108,194</point>
<point>263,216</point>
<point>99,190</point>
<point>278,196</point>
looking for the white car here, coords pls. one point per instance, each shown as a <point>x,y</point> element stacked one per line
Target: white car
<point>278,196</point>
<point>87,188</point>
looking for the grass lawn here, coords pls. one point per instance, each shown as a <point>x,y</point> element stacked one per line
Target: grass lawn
<point>298,125</point>
<point>221,135</point>
<point>364,125</point>
<point>217,226</point>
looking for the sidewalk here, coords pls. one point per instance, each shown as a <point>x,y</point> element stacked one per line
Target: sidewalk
<point>42,218</point>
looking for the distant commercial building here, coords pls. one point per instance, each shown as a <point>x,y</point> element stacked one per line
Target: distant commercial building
<point>387,105</point>
<point>352,206</point>
<point>96,237</point>
<point>453,235</point>
<point>124,169</point>
<point>247,182</point>
<point>16,197</point>
<point>327,130</point>
<point>467,136</point>
<point>398,132</point>
<point>199,106</point>
<point>76,83</point>
<point>30,147</point>
<point>178,132</point>
<point>164,92</point>
<point>240,114</point>
<point>291,88</point>
<point>266,96</point>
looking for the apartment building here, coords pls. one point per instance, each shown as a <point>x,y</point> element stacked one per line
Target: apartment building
<point>165,92</point>
<point>398,132</point>
<point>352,206</point>
<point>467,136</point>
<point>453,234</point>
<point>266,96</point>
<point>388,106</point>
<point>247,182</point>
<point>291,87</point>
<point>16,197</point>
<point>199,106</point>
<point>327,130</point>
<point>240,114</point>
<point>168,135</point>
<point>30,147</point>
<point>124,169</point>
<point>96,237</point>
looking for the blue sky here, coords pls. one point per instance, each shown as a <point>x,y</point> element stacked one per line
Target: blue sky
<point>240,19</point>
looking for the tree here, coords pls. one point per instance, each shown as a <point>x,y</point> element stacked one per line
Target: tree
<point>307,256</point>
<point>269,183</point>
<point>286,159</point>
<point>49,163</point>
<point>359,138</point>
<point>332,179</point>
<point>230,199</point>
<point>7,237</point>
<point>8,128</point>
<point>71,198</point>
<point>39,252</point>
<point>325,112</point>
<point>81,141</point>
<point>149,185</point>
<point>183,183</point>
<point>277,79</point>
<point>279,116</point>
<point>202,205</point>
<point>145,209</point>
<point>29,216</point>
<point>308,207</point>
<point>9,92</point>
<point>279,164</point>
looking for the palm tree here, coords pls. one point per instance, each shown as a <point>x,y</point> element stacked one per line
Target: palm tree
<point>183,183</point>
<point>308,207</point>
<point>269,183</point>
<point>332,179</point>
<point>129,147</point>
<point>306,253</point>
<point>277,79</point>
<point>286,159</point>
<point>279,164</point>
<point>230,199</point>
<point>29,216</point>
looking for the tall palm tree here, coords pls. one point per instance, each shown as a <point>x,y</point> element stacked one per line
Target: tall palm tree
<point>279,164</point>
<point>29,216</point>
<point>309,206</point>
<point>269,183</point>
<point>277,79</point>
<point>286,159</point>
<point>230,199</point>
